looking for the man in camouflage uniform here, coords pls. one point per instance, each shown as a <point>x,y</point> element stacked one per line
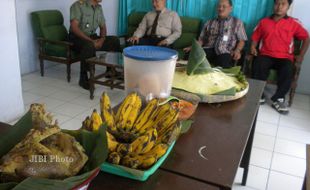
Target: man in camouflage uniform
<point>86,16</point>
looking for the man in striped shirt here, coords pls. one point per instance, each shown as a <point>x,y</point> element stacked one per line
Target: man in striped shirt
<point>223,38</point>
<point>275,36</point>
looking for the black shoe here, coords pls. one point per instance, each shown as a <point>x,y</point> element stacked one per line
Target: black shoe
<point>84,84</point>
<point>280,106</point>
<point>262,100</point>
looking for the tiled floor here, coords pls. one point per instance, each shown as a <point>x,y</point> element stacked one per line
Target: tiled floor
<point>278,154</point>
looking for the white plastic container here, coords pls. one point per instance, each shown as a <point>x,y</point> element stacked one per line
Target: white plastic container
<point>149,70</point>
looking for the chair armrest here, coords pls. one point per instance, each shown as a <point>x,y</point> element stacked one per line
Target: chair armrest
<point>64,43</point>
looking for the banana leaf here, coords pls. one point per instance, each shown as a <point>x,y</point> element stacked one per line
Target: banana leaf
<point>95,145</point>
<point>197,61</point>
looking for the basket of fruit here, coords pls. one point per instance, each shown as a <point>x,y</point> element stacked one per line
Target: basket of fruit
<point>138,139</point>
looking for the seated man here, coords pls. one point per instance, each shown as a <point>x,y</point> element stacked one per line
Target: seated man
<point>276,37</point>
<point>223,37</point>
<point>85,17</point>
<point>160,27</point>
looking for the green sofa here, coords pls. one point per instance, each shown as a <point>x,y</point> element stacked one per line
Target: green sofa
<point>190,30</point>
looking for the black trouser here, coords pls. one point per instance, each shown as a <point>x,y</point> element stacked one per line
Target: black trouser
<point>86,49</point>
<point>263,64</point>
<point>223,60</point>
<point>150,40</point>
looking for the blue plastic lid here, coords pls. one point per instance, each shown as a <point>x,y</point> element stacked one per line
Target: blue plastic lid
<point>150,53</point>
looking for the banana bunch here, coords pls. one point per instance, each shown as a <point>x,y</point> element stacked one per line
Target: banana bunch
<point>136,137</point>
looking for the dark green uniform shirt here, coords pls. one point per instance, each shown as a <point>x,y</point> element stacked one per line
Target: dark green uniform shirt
<point>89,17</point>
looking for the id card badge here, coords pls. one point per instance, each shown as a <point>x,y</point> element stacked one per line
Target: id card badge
<point>225,38</point>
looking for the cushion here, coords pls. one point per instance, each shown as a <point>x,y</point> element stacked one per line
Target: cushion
<point>45,19</point>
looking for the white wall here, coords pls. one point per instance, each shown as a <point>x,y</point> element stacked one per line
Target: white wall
<point>27,45</point>
<point>11,102</point>
<point>300,10</point>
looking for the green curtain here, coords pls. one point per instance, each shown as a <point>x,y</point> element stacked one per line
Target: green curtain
<point>249,11</point>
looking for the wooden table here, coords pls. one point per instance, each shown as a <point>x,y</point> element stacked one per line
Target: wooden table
<point>112,61</point>
<point>160,180</point>
<point>225,133</point>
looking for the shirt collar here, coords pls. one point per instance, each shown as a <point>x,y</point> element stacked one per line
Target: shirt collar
<point>285,17</point>
<point>88,2</point>
<point>162,11</point>
<point>225,19</point>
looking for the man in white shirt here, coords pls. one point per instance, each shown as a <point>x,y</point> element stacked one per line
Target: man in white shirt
<point>160,27</point>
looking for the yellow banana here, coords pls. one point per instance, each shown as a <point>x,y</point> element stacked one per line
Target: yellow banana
<point>132,162</point>
<point>137,161</point>
<point>96,120</point>
<point>138,141</point>
<point>147,143</point>
<point>168,120</point>
<point>146,162</point>
<point>128,112</point>
<point>114,158</point>
<point>112,143</point>
<point>157,115</point>
<point>145,115</point>
<point>107,114</point>
<point>87,124</point>
<point>158,151</point>
<point>123,149</point>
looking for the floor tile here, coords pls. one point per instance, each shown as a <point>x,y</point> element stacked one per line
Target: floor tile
<point>61,118</point>
<point>268,115</point>
<point>299,113</point>
<point>266,128</point>
<point>290,148</point>
<point>72,124</point>
<point>296,123</point>
<point>64,95</point>
<point>257,177</point>
<point>301,104</point>
<point>241,187</point>
<point>288,165</point>
<point>50,103</point>
<point>294,135</point>
<point>263,142</point>
<point>84,100</point>
<point>69,109</point>
<point>28,85</point>
<point>30,97</point>
<point>261,158</point>
<point>280,181</point>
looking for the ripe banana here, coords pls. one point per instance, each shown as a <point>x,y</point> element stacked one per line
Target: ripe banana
<point>137,161</point>
<point>96,120</point>
<point>132,162</point>
<point>114,158</point>
<point>112,143</point>
<point>157,115</point>
<point>145,115</point>
<point>107,114</point>
<point>87,124</point>
<point>158,151</point>
<point>146,142</point>
<point>123,149</point>
<point>128,112</point>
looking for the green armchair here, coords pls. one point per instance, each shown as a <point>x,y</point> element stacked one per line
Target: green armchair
<point>190,30</point>
<point>52,36</point>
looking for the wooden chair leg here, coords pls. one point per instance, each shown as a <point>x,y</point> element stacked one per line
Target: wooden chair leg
<point>68,72</point>
<point>42,67</point>
<point>291,96</point>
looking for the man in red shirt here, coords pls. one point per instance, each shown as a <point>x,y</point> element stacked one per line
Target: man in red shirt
<point>275,37</point>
